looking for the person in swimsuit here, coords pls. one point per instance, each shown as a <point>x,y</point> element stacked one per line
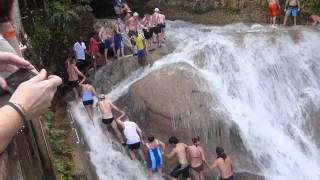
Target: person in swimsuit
<point>147,31</point>
<point>154,23</point>
<point>154,152</point>
<point>133,135</point>
<point>94,49</point>
<point>274,7</point>
<point>73,76</point>
<point>106,39</point>
<point>224,165</point>
<point>106,106</point>
<point>162,25</point>
<point>313,20</point>
<point>292,10</point>
<point>87,92</point>
<point>126,12</point>
<point>180,152</point>
<point>197,160</point>
<point>117,8</point>
<point>139,42</point>
<point>118,45</point>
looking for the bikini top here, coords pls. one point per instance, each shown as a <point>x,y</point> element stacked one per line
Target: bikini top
<point>87,95</point>
<point>199,152</point>
<point>153,148</point>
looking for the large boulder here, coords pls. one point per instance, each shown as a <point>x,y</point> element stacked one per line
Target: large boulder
<point>176,101</point>
<point>117,70</point>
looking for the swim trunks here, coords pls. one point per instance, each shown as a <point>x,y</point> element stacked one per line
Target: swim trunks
<point>147,34</point>
<point>89,102</point>
<point>181,170</point>
<point>73,84</point>
<point>292,11</point>
<point>141,53</point>
<point>117,41</point>
<point>199,168</point>
<point>134,146</point>
<point>107,43</point>
<point>162,25</point>
<point>107,121</point>
<point>273,10</point>
<point>82,64</point>
<point>229,178</point>
<point>157,30</point>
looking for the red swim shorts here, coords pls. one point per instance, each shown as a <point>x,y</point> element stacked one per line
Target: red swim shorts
<point>273,10</point>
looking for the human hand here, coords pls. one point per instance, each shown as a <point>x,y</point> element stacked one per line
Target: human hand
<point>35,95</point>
<point>10,62</point>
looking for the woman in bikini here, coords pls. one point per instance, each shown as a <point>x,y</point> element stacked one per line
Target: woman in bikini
<point>196,158</point>
<point>87,93</point>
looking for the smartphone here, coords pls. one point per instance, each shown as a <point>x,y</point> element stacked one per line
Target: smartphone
<point>15,79</point>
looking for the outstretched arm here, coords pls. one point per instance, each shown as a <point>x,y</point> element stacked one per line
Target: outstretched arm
<point>299,7</point>
<point>162,145</point>
<point>115,108</point>
<point>119,122</point>
<point>213,165</point>
<point>170,155</point>
<point>285,5</point>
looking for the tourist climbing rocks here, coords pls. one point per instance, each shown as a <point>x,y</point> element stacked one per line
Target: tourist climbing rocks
<point>87,93</point>
<point>162,26</point>
<point>140,44</point>
<point>179,151</point>
<point>133,135</point>
<point>106,39</point>
<point>73,76</point>
<point>117,37</point>
<point>197,160</point>
<point>274,8</point>
<point>147,32</point>
<point>155,25</point>
<point>79,49</point>
<point>292,8</point>
<point>117,7</point>
<point>106,107</point>
<point>224,165</point>
<point>94,49</point>
<point>126,12</point>
<point>154,152</point>
<point>313,20</point>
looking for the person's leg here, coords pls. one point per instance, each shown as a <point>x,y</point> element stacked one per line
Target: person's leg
<point>195,174</point>
<point>89,111</point>
<point>201,175</point>
<point>295,20</point>
<point>117,131</point>
<point>106,55</point>
<point>150,173</point>
<point>159,169</point>
<point>106,132</point>
<point>158,40</point>
<point>118,53</point>
<point>122,49</point>
<point>132,155</point>
<point>76,94</point>
<point>141,154</point>
<point>285,20</point>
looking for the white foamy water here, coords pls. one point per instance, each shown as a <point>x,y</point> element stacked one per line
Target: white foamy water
<point>263,79</point>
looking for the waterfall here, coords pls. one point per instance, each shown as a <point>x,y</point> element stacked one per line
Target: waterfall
<point>263,78</point>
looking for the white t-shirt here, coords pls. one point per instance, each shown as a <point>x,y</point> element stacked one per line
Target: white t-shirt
<point>79,50</point>
<point>130,132</point>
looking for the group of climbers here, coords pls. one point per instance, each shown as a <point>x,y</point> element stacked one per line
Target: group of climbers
<point>292,9</point>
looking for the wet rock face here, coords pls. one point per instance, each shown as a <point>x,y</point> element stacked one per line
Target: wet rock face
<point>176,101</point>
<point>111,74</point>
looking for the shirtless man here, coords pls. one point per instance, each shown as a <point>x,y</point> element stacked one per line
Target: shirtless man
<point>147,31</point>
<point>224,165</point>
<point>313,20</point>
<point>73,76</point>
<point>274,7</point>
<point>197,160</point>
<point>133,24</point>
<point>179,151</point>
<point>106,38</point>
<point>292,10</point>
<point>154,24</point>
<point>106,106</point>
<point>162,25</point>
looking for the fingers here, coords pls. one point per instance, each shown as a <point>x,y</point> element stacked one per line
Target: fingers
<point>10,58</point>
<point>8,68</point>
<point>3,83</point>
<point>53,81</point>
<point>40,77</point>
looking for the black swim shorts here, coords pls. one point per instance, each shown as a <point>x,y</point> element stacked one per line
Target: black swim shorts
<point>157,30</point>
<point>82,64</point>
<point>181,170</point>
<point>229,178</point>
<point>107,121</point>
<point>134,146</point>
<point>89,102</point>
<point>73,84</point>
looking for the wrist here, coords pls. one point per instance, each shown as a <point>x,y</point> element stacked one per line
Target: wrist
<point>12,116</point>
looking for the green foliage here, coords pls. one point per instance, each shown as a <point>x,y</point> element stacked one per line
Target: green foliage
<point>64,169</point>
<point>41,38</point>
<point>313,6</point>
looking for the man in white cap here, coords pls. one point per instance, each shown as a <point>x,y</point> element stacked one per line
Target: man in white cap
<point>106,106</point>
<point>155,18</point>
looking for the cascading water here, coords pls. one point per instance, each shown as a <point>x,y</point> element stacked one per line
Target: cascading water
<point>263,78</point>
